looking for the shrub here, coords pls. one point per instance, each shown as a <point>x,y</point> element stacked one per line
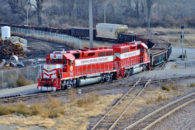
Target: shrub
<point>54,108</point>
<point>173,86</point>
<point>169,87</point>
<point>166,87</point>
<point>160,98</point>
<point>37,109</point>
<point>192,85</point>
<point>21,81</point>
<point>174,66</point>
<point>22,108</point>
<point>4,110</point>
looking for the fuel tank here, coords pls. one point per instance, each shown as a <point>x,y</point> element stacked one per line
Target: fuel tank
<point>83,82</point>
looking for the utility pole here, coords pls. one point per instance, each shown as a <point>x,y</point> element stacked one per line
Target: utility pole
<point>27,16</point>
<point>27,12</point>
<point>182,41</point>
<point>104,14</point>
<point>90,23</point>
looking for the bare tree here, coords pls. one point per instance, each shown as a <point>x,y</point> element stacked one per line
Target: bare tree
<point>75,12</point>
<point>38,5</point>
<point>39,8</point>
<point>149,4</point>
<point>18,7</point>
<point>137,8</point>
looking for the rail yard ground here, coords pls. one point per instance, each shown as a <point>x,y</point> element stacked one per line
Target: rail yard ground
<point>82,111</point>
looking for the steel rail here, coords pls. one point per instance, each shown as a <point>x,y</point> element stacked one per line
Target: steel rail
<point>15,98</point>
<point>169,105</point>
<point>122,98</point>
<point>115,123</point>
<point>168,114</point>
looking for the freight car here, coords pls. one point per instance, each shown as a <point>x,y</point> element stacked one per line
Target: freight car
<point>65,69</point>
<point>81,32</point>
<point>157,54</point>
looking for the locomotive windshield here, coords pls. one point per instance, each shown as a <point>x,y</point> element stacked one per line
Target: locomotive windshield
<point>64,62</point>
<point>55,61</point>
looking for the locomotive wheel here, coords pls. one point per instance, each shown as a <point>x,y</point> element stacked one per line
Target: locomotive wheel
<point>63,86</point>
<point>144,67</point>
<point>107,79</point>
<point>69,86</point>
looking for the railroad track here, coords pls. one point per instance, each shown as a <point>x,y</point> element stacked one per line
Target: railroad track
<point>13,99</point>
<point>162,67</point>
<point>91,88</point>
<point>115,114</point>
<point>156,116</point>
<point>87,89</point>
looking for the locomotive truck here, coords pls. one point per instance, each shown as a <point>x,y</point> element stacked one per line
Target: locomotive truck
<point>66,69</point>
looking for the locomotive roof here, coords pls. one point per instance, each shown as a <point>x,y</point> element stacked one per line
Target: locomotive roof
<point>134,43</point>
<point>70,54</point>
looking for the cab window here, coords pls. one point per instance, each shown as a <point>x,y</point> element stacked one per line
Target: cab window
<point>142,50</point>
<point>64,62</point>
<point>47,61</point>
<point>53,61</point>
<point>59,61</point>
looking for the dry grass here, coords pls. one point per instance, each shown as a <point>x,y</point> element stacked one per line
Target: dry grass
<point>149,98</point>
<point>72,95</point>
<point>50,109</point>
<point>87,100</point>
<point>21,81</point>
<point>27,121</point>
<point>174,66</point>
<point>158,96</point>
<point>192,85</point>
<point>158,99</point>
<point>169,87</point>
<point>51,113</point>
<point>76,114</point>
<point>19,108</point>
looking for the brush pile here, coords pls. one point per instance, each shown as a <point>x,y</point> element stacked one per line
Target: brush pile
<point>7,49</point>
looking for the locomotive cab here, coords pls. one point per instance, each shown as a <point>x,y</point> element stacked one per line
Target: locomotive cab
<point>57,64</point>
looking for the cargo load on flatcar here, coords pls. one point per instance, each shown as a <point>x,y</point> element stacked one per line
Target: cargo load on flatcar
<point>110,31</point>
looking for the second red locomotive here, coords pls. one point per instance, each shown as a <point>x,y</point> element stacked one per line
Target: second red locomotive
<point>66,69</point>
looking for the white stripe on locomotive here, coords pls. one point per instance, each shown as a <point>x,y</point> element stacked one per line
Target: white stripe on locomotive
<point>127,54</point>
<point>93,60</point>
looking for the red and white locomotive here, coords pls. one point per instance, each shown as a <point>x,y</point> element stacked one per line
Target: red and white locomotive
<point>65,69</point>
